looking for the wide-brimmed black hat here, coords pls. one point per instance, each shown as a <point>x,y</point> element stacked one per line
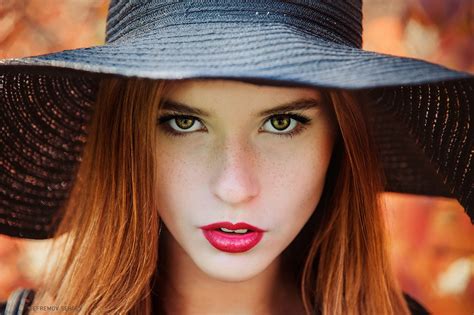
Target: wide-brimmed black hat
<point>423,112</point>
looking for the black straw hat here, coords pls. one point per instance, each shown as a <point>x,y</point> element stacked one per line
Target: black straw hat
<point>424,112</point>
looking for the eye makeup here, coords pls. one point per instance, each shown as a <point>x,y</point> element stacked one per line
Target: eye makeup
<point>164,124</point>
<point>302,122</point>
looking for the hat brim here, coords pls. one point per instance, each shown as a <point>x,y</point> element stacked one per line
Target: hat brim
<point>245,50</point>
<point>47,101</point>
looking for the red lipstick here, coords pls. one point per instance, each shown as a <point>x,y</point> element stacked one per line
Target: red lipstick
<point>232,242</point>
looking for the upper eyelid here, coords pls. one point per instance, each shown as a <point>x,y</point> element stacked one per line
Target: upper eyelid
<point>290,112</point>
<point>292,115</point>
<point>174,115</point>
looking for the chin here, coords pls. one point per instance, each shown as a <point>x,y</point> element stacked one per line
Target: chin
<point>232,268</point>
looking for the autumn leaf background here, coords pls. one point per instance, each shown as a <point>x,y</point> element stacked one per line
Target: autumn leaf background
<point>432,239</point>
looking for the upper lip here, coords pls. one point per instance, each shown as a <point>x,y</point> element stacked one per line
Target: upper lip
<point>230,226</point>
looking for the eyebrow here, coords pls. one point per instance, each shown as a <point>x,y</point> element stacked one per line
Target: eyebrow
<point>300,104</point>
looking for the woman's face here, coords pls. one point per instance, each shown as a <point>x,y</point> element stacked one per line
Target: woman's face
<point>236,157</point>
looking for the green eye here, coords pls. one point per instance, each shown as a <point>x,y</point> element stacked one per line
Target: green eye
<point>180,124</point>
<point>280,122</point>
<point>184,122</point>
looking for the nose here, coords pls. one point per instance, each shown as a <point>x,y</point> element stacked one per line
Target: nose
<point>236,179</point>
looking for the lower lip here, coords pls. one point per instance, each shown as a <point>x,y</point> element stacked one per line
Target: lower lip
<point>232,243</point>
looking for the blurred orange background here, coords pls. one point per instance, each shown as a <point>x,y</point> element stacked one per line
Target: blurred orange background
<point>432,239</point>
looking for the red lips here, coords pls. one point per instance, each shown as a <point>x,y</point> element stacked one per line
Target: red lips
<point>230,226</point>
<point>232,242</point>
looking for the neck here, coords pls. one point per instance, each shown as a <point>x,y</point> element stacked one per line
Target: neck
<point>185,289</point>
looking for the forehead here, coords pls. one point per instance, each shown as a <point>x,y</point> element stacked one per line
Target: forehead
<point>209,92</point>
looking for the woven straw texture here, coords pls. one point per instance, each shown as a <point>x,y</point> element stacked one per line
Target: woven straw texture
<point>422,112</point>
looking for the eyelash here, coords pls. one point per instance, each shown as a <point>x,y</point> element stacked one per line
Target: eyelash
<point>302,120</point>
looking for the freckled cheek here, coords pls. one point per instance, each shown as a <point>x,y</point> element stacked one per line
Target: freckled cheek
<point>295,187</point>
<point>179,179</point>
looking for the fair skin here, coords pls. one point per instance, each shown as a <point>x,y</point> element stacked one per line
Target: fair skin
<point>238,166</point>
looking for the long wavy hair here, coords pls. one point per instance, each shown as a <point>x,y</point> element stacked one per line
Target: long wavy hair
<point>106,248</point>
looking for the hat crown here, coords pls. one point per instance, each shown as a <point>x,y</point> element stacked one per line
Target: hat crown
<point>338,21</point>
